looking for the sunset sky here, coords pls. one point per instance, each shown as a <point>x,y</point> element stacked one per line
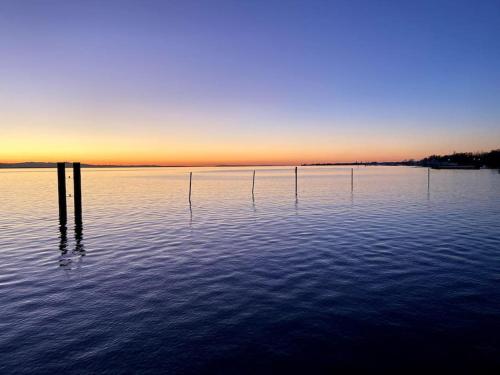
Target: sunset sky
<point>244,82</point>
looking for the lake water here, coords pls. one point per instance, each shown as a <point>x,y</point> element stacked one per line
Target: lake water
<point>388,275</point>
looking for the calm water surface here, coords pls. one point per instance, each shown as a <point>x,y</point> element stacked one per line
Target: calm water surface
<point>389,275</point>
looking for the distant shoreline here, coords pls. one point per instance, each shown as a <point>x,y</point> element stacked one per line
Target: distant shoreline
<point>382,163</point>
<point>53,165</point>
<point>41,165</point>
<point>456,160</point>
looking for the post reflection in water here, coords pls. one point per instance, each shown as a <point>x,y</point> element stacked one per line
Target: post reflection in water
<point>63,236</point>
<point>67,258</point>
<point>79,249</point>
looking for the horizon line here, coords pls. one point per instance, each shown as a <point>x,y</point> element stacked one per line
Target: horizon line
<point>33,164</point>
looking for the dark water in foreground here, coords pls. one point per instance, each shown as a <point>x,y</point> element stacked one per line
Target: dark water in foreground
<point>387,276</point>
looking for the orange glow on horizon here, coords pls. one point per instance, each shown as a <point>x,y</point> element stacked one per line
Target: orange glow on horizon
<point>175,153</point>
<point>207,143</point>
<point>207,157</point>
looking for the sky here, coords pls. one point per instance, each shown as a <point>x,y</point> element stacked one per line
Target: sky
<point>247,82</point>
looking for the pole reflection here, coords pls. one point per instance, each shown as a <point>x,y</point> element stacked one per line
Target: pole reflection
<point>67,257</point>
<point>79,248</point>
<point>63,238</point>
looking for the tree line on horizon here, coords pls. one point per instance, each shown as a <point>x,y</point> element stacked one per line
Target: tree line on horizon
<point>487,159</point>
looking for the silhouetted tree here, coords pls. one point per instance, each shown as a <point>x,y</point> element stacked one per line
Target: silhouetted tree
<point>490,159</point>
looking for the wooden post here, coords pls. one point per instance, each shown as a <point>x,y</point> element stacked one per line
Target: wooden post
<point>428,178</point>
<point>295,181</point>
<point>77,192</point>
<point>190,179</point>
<point>352,179</point>
<point>61,184</point>
<point>253,183</point>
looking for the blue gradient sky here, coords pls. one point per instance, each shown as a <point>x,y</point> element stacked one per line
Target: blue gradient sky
<point>204,82</point>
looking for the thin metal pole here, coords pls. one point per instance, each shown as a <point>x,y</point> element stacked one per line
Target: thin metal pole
<point>61,184</point>
<point>428,178</point>
<point>77,192</point>
<point>190,179</point>
<point>352,179</point>
<point>295,181</point>
<point>253,183</point>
